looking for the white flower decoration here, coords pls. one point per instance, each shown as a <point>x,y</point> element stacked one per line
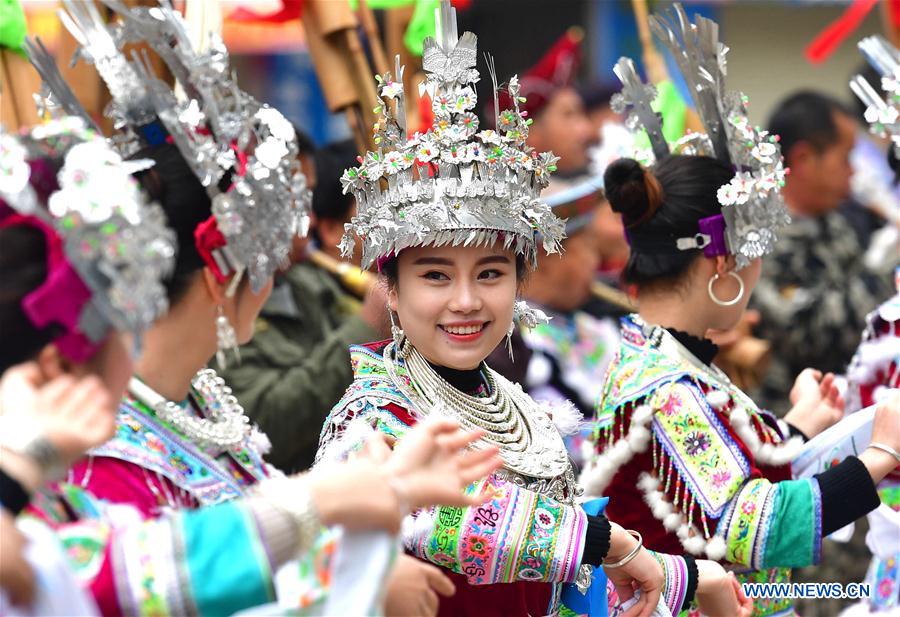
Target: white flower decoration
<point>271,152</point>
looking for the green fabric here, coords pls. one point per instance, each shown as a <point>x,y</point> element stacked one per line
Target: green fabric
<point>674,114</point>
<point>792,538</point>
<point>421,25</point>
<point>243,569</point>
<point>12,26</point>
<point>298,364</point>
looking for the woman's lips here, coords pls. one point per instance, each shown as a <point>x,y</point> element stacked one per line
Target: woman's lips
<point>464,332</point>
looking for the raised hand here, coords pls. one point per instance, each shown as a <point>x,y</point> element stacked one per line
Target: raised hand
<point>74,414</point>
<point>817,402</point>
<point>431,465</point>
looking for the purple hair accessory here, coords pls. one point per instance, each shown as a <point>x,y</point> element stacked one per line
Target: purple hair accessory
<point>714,227</point>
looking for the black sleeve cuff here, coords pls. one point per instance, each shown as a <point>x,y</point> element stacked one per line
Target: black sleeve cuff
<point>848,493</point>
<point>596,541</point>
<point>13,497</point>
<point>796,432</point>
<point>692,579</point>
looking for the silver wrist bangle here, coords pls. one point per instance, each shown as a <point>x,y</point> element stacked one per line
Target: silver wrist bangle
<point>292,497</point>
<point>885,448</point>
<point>634,552</point>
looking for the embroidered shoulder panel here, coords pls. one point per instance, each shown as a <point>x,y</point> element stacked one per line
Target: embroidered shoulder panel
<point>704,453</point>
<point>143,439</point>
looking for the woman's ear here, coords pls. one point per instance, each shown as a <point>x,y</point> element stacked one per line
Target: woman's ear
<point>51,363</point>
<point>214,288</point>
<point>724,264</point>
<point>393,299</point>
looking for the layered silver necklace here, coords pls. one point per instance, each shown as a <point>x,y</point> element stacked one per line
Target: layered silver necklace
<point>529,442</point>
<point>225,428</point>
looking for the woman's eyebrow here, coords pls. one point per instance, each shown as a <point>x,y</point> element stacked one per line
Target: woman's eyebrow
<point>493,259</point>
<point>432,261</point>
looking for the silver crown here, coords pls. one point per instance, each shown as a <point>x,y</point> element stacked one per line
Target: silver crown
<point>220,130</point>
<point>453,184</point>
<point>752,204</point>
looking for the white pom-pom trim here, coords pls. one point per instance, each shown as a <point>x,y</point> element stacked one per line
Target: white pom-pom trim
<point>715,548</point>
<point>673,521</point>
<point>638,438</point>
<point>695,545</point>
<point>718,399</point>
<point>766,453</point>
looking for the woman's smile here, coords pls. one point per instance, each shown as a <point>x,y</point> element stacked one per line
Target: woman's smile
<point>464,331</point>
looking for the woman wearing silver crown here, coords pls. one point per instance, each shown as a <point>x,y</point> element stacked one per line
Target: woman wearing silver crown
<point>701,467</point>
<point>451,217</point>
<point>182,442</point>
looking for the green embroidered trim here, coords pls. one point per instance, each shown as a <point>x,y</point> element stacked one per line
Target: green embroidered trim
<point>744,524</point>
<point>442,547</point>
<point>791,539</point>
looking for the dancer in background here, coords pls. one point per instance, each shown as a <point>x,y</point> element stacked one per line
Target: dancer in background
<point>698,464</point>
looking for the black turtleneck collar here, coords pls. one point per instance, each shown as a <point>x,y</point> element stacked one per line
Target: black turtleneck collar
<point>703,348</point>
<point>464,381</point>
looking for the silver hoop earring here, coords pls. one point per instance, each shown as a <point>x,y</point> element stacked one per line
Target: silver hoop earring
<point>712,295</point>
<point>226,338</point>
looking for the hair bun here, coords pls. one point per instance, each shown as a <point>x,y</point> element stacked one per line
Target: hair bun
<point>632,191</point>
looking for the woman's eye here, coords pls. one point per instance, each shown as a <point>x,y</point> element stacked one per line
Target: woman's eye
<point>436,276</point>
<point>490,275</point>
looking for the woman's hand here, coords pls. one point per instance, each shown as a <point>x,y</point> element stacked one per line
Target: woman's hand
<point>16,577</point>
<point>430,466</point>
<point>377,487</point>
<point>886,431</point>
<point>413,589</point>
<point>643,572</point>
<point>817,403</point>
<point>719,594</point>
<point>72,414</point>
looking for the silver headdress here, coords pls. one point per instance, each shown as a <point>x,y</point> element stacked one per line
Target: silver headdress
<point>883,114</point>
<point>752,205</point>
<point>116,249</point>
<point>454,184</point>
<point>225,135</point>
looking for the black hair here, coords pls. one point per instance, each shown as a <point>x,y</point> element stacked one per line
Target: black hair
<point>23,268</point>
<point>172,184</point>
<point>807,116</point>
<point>597,94</point>
<point>328,200</point>
<point>389,270</point>
<point>660,205</point>
<point>305,145</point>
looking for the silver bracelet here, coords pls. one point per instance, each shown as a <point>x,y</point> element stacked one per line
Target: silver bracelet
<point>634,552</point>
<point>885,448</point>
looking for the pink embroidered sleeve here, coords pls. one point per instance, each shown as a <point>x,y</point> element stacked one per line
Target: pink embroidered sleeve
<point>518,535</point>
<point>116,481</point>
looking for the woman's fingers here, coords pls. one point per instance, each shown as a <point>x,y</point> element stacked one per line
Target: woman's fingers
<point>480,470</point>
<point>459,439</point>
<point>439,582</point>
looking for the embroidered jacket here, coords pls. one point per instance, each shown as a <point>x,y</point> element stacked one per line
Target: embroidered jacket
<point>709,466</point>
<point>145,519</point>
<point>522,537</point>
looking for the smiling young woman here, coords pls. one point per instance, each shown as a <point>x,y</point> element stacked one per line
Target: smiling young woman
<point>453,219</point>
